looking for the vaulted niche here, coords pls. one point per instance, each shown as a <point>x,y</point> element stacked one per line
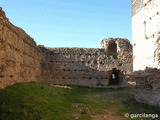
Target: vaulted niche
<point>112,49</point>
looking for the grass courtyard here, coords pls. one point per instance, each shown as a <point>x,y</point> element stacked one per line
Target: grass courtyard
<point>36,101</point>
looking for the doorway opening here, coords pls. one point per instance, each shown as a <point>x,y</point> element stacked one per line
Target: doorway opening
<point>114,77</point>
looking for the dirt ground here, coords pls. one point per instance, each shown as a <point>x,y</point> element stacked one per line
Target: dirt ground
<point>108,115</point>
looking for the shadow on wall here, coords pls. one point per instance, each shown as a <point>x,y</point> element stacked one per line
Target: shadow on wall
<point>112,49</point>
<point>78,69</point>
<point>148,77</point>
<point>148,84</point>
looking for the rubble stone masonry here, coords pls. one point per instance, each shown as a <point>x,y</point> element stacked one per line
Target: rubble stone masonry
<point>89,66</point>
<point>21,60</point>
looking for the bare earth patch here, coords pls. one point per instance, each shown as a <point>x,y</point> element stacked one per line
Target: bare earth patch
<point>107,115</point>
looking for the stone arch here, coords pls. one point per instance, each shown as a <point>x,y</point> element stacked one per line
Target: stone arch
<point>112,49</point>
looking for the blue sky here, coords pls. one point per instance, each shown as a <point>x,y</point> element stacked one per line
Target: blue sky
<point>71,23</point>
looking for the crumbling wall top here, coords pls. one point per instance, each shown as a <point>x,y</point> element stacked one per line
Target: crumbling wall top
<point>4,21</point>
<point>136,6</point>
<point>122,44</point>
<point>78,51</point>
<point>2,13</point>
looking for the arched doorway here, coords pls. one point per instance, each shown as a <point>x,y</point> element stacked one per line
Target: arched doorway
<point>114,77</point>
<point>112,49</point>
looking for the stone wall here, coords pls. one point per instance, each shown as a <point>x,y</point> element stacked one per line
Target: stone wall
<point>137,5</point>
<point>87,66</point>
<point>146,50</point>
<point>20,59</point>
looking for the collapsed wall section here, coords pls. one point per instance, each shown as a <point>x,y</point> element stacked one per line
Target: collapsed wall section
<point>20,59</point>
<point>146,49</point>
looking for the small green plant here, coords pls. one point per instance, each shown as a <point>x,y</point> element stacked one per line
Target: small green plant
<point>41,46</point>
<point>115,57</point>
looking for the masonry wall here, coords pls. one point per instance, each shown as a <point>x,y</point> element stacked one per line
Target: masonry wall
<point>20,58</point>
<point>22,61</point>
<point>146,49</point>
<point>86,66</point>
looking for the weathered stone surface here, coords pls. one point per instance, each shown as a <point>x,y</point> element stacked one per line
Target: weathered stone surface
<point>148,82</point>
<point>146,49</point>
<point>87,66</point>
<point>22,61</point>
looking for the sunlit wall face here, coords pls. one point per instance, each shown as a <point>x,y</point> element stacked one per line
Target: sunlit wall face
<point>146,33</point>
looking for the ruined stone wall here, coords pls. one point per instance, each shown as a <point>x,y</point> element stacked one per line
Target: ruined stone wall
<point>20,59</point>
<point>146,49</point>
<point>123,51</point>
<point>86,66</point>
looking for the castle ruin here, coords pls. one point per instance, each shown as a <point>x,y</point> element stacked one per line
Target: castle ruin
<point>21,60</point>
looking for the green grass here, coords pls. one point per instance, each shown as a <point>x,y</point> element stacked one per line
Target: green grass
<point>35,101</point>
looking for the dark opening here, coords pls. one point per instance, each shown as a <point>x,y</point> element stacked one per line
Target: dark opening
<point>100,84</point>
<point>114,77</point>
<point>112,49</point>
<point>11,76</point>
